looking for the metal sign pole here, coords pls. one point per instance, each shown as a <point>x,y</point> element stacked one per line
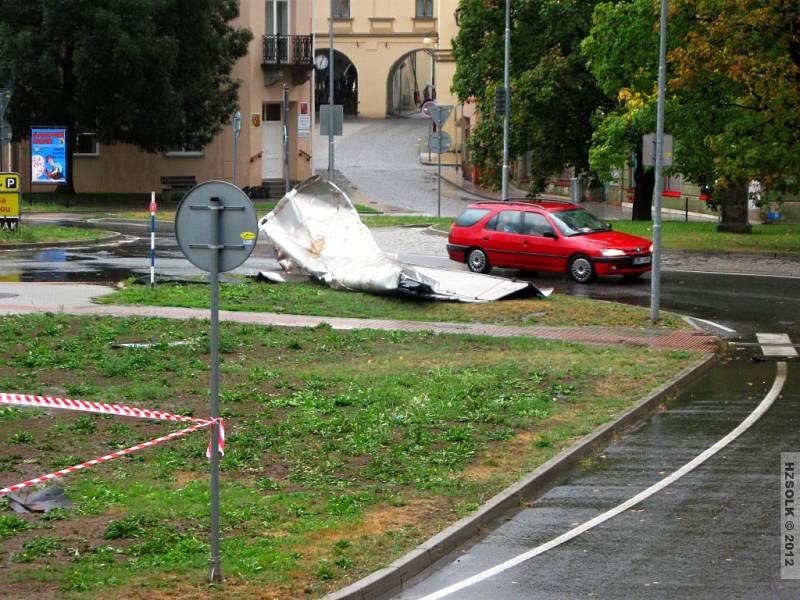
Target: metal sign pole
<point>2,132</point>
<point>214,244</point>
<point>215,212</point>
<point>439,188</point>
<point>330,94</point>
<point>237,128</point>
<point>287,185</point>
<point>655,276</point>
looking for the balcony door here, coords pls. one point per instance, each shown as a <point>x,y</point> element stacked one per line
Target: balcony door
<point>277,25</point>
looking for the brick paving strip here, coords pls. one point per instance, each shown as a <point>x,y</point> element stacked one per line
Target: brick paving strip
<point>651,338</point>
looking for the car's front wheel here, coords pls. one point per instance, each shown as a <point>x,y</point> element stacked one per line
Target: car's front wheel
<point>582,270</point>
<point>477,261</point>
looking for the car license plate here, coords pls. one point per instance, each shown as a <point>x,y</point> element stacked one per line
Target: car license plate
<point>641,260</point>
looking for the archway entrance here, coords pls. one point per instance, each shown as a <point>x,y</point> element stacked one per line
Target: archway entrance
<point>345,81</point>
<point>411,82</point>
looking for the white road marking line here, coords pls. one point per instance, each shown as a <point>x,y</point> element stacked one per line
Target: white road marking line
<point>776,344</point>
<point>713,324</point>
<point>766,403</point>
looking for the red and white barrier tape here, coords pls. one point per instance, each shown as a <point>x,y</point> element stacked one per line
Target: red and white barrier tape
<point>108,409</point>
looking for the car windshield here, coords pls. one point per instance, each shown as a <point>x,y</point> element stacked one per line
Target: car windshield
<point>576,222</point>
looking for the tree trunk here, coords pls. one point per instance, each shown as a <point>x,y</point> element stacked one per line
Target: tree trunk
<point>643,197</point>
<point>734,210</point>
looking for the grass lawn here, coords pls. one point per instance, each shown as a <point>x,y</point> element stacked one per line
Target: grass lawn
<point>262,208</point>
<point>319,300</point>
<point>344,449</point>
<point>704,237</point>
<point>130,206</point>
<point>441,223</point>
<point>33,233</point>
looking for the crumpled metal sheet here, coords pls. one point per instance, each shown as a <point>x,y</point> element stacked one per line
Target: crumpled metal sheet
<point>38,501</point>
<point>316,230</point>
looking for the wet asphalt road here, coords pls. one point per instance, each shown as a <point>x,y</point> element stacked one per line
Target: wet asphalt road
<point>713,534</point>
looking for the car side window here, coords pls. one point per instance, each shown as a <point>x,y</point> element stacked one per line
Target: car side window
<point>509,221</point>
<point>535,224</point>
<point>491,224</point>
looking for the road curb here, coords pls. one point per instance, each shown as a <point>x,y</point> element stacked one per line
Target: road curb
<point>62,244</point>
<point>392,579</point>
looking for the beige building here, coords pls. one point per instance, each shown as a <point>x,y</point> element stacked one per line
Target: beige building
<point>279,54</point>
<point>387,52</point>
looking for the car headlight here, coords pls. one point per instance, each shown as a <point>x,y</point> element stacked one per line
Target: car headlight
<point>651,247</point>
<point>612,252</point>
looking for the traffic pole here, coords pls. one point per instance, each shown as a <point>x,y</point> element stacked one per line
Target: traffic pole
<point>153,208</point>
<point>215,209</point>
<point>655,276</point>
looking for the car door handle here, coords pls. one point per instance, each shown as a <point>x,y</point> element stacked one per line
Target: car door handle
<point>485,239</point>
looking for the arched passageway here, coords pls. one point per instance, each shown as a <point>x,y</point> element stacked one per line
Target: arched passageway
<point>411,82</point>
<point>345,82</point>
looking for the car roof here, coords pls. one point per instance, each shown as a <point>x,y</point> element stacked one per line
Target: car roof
<point>548,204</point>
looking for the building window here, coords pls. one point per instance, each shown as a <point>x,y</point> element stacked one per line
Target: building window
<point>188,151</point>
<point>424,9</point>
<point>341,9</point>
<point>86,144</point>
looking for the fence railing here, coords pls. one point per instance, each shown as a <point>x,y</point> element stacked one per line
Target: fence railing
<point>288,50</point>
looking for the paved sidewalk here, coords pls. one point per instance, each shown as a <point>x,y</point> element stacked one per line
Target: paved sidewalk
<point>20,298</point>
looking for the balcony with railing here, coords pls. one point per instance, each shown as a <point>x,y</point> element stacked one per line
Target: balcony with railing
<point>293,52</point>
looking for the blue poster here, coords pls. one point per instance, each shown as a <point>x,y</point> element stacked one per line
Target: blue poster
<point>48,155</point>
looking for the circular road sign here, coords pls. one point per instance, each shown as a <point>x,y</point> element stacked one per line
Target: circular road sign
<point>426,108</point>
<point>216,216</point>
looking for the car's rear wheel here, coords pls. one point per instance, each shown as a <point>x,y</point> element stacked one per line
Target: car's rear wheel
<point>582,270</point>
<point>477,261</point>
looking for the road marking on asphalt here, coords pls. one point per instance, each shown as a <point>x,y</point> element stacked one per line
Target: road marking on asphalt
<point>713,324</point>
<point>766,403</point>
<point>776,344</point>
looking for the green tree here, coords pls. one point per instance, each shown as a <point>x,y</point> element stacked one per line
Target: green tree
<point>152,73</point>
<point>553,94</point>
<point>733,95</point>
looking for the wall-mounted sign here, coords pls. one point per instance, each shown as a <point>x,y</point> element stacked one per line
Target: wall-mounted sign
<point>9,201</point>
<point>49,155</point>
<point>255,119</point>
<point>304,120</point>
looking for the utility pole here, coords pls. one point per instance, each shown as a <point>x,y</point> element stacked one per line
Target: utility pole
<point>655,281</point>
<point>330,95</point>
<point>506,60</point>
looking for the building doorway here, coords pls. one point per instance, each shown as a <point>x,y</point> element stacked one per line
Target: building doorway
<point>345,82</point>
<point>271,141</point>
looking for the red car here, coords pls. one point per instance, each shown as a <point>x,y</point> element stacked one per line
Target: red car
<point>546,235</point>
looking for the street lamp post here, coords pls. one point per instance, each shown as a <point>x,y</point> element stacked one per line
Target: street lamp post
<point>655,276</point>
<point>506,61</point>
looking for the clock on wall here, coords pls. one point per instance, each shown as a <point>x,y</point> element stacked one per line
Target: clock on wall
<point>321,62</point>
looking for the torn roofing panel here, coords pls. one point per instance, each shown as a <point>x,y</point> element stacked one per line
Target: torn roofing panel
<point>316,230</point>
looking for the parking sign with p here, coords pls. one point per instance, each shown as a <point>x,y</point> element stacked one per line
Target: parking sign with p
<point>9,201</point>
